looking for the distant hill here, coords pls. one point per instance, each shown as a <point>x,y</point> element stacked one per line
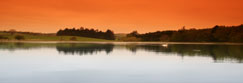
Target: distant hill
<point>28,36</point>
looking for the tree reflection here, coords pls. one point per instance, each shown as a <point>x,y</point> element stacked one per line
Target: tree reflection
<point>82,49</point>
<point>216,52</point>
<point>24,46</point>
<point>219,53</point>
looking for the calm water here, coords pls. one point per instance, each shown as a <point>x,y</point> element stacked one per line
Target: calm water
<point>120,63</point>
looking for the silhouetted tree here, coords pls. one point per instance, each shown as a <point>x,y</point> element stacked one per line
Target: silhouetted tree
<point>12,31</point>
<point>133,34</point>
<point>109,35</point>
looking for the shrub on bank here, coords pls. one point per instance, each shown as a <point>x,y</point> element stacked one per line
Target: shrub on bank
<point>73,38</point>
<point>130,39</point>
<point>2,37</point>
<point>19,37</point>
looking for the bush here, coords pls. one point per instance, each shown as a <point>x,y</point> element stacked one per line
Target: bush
<point>2,37</point>
<point>130,39</point>
<point>19,37</point>
<point>73,38</point>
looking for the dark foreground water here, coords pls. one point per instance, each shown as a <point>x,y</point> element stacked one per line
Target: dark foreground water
<point>120,63</point>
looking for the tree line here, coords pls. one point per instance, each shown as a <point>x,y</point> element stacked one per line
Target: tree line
<point>85,32</point>
<point>214,34</point>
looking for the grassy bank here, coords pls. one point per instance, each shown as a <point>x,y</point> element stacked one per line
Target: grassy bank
<point>43,37</point>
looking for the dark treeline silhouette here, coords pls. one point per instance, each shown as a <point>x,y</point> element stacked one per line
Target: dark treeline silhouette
<point>85,32</point>
<point>215,34</point>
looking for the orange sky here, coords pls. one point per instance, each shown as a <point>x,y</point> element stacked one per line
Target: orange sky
<point>121,16</point>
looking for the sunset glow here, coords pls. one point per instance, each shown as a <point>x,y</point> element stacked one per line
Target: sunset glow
<point>121,16</point>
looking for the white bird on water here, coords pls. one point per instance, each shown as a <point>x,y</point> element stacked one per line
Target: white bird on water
<point>165,45</point>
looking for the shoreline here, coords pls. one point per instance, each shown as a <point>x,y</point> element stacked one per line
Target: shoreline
<point>121,42</point>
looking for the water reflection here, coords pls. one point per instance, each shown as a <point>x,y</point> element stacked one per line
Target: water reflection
<point>82,49</point>
<point>24,46</point>
<point>218,53</point>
